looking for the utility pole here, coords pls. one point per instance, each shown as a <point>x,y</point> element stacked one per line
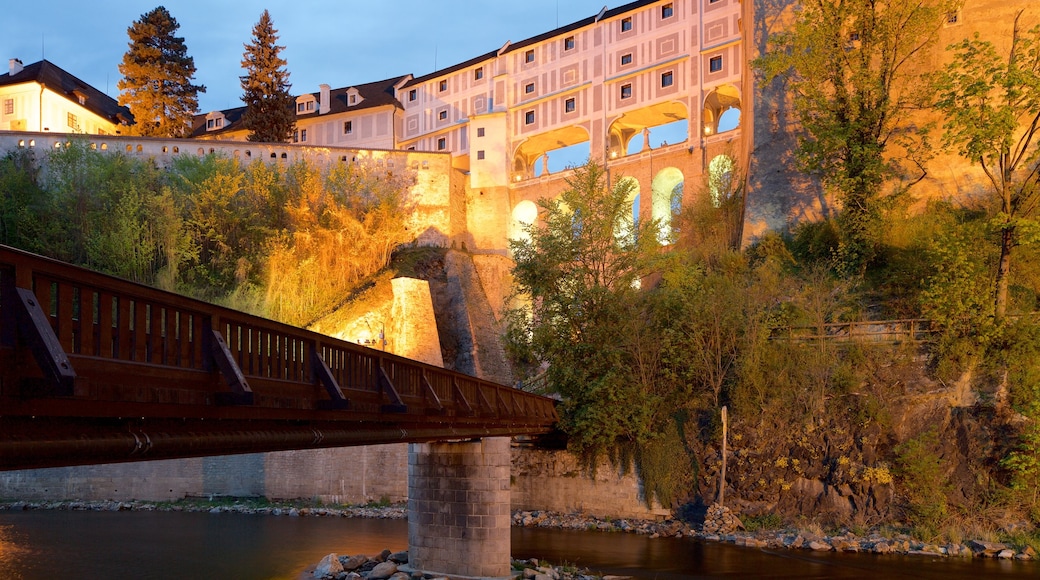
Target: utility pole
<point>722,479</point>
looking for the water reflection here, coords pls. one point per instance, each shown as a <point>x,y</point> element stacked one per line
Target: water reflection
<point>674,558</point>
<point>58,544</point>
<point>14,550</point>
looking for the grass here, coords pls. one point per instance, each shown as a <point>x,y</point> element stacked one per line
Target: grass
<point>763,522</point>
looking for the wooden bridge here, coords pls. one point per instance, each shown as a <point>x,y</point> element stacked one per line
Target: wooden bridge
<point>95,369</point>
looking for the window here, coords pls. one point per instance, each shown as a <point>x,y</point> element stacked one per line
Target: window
<point>442,115</point>
<point>348,127</point>
<point>529,118</point>
<point>303,135</point>
<point>626,91</point>
<point>626,24</point>
<point>442,144</point>
<point>295,139</point>
<point>626,59</point>
<point>353,99</point>
<point>442,85</point>
<point>480,131</point>
<point>215,123</point>
<point>568,105</point>
<point>666,11</point>
<point>666,79</point>
<point>8,106</point>
<point>568,43</point>
<point>478,73</point>
<point>529,56</point>
<point>480,154</point>
<point>953,18</point>
<point>528,88</point>
<point>304,106</point>
<point>715,64</point>
<point>73,121</point>
<point>411,95</point>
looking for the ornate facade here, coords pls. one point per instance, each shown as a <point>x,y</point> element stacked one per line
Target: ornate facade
<point>599,88</point>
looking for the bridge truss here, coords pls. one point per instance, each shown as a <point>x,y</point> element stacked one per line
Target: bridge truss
<point>96,369</point>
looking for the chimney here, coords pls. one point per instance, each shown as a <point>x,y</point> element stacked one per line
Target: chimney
<point>323,102</point>
<point>15,66</point>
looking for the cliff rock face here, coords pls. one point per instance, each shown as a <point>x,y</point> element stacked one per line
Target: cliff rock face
<point>834,470</point>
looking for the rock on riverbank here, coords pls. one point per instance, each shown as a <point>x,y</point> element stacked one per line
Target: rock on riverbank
<point>393,566</point>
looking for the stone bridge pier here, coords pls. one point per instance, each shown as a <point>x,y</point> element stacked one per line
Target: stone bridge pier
<point>458,507</point>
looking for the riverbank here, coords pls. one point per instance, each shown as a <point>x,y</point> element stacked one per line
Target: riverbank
<point>875,541</point>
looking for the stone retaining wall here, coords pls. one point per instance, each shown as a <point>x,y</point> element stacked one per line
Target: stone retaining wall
<point>541,480</point>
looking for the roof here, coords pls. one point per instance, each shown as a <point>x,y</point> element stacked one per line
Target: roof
<point>511,46</point>
<point>375,94</point>
<point>63,83</point>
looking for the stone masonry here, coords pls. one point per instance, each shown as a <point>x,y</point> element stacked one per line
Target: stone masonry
<point>458,507</point>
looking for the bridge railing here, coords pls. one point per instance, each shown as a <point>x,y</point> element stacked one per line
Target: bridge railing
<point>114,334</point>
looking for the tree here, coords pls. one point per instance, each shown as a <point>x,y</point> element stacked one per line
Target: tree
<point>579,270</point>
<point>269,114</point>
<point>991,104</point>
<point>157,74</point>
<point>850,68</point>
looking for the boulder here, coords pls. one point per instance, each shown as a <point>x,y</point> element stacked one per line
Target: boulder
<point>351,563</point>
<point>328,567</point>
<point>399,557</point>
<point>986,549</point>
<point>382,571</point>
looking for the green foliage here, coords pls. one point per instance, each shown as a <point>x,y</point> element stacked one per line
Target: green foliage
<point>770,521</point>
<point>270,115</point>
<point>925,484</point>
<point>578,271</point>
<point>286,244</point>
<point>848,67</point>
<point>991,106</point>
<point>157,74</point>
<point>665,466</point>
<point>19,192</point>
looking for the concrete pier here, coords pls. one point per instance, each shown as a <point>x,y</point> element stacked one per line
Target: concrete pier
<point>458,507</point>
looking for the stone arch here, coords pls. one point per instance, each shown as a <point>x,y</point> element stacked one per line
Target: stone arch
<point>666,202</point>
<point>525,213</point>
<point>634,131</point>
<point>721,106</point>
<point>533,152</point>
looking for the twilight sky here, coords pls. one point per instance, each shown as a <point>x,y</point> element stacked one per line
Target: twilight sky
<point>339,42</point>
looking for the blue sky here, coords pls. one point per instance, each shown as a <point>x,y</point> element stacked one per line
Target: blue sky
<point>339,42</point>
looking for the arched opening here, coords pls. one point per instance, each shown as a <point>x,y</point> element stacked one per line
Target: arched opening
<point>648,128</point>
<point>524,215</point>
<point>666,202</point>
<point>551,152</point>
<point>721,110</point>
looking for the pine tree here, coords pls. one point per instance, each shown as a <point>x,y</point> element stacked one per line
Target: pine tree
<point>269,115</point>
<point>157,74</point>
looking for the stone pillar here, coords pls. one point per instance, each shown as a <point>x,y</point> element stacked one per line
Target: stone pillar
<point>458,507</point>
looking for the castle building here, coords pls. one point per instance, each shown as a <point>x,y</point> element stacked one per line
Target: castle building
<point>43,97</point>
<point>659,92</point>
<point>602,88</point>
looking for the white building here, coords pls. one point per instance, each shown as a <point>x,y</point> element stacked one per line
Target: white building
<point>44,98</point>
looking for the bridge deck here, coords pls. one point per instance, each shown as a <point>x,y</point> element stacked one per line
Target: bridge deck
<point>96,369</point>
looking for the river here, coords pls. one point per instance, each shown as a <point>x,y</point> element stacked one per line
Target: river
<point>176,545</point>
